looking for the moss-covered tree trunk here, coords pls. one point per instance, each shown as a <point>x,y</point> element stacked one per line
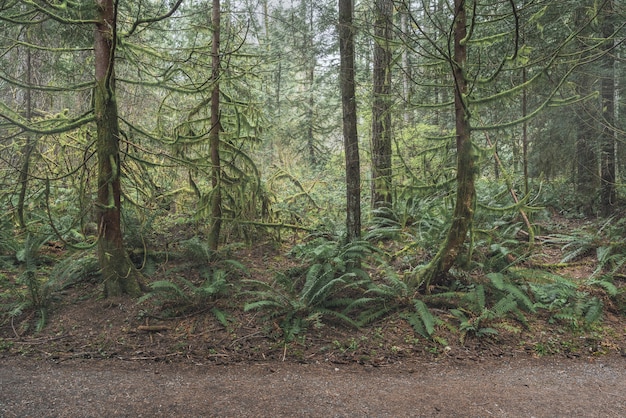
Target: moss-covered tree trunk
<point>119,274</point>
<point>29,146</point>
<point>381,107</point>
<point>214,134</point>
<point>350,137</point>
<point>466,170</point>
<point>608,194</point>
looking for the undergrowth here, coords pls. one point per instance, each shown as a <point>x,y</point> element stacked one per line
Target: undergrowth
<point>359,283</point>
<point>181,295</point>
<point>325,286</point>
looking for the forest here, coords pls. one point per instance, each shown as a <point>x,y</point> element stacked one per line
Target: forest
<point>287,179</point>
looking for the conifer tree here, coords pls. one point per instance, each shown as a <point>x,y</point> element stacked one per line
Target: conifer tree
<point>381,107</point>
<point>350,137</point>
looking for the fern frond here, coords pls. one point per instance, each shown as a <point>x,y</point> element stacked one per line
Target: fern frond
<point>609,287</point>
<point>262,304</point>
<point>337,315</point>
<point>594,311</point>
<point>504,306</point>
<point>374,314</point>
<point>425,316</point>
<point>167,286</point>
<point>318,297</point>
<point>221,317</point>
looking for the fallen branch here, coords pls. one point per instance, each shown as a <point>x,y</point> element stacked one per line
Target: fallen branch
<point>153,328</point>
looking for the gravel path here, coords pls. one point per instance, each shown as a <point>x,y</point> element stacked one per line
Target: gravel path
<point>544,387</point>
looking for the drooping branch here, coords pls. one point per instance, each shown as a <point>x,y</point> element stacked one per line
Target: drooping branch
<point>47,126</point>
<point>140,22</point>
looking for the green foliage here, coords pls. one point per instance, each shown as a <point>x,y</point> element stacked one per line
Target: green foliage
<point>31,291</point>
<point>391,295</point>
<point>181,296</point>
<point>137,225</point>
<point>570,302</point>
<point>8,244</point>
<point>479,308</point>
<point>426,219</point>
<point>417,223</point>
<point>421,319</point>
<point>473,313</point>
<point>384,297</point>
<point>505,287</point>
<point>385,224</point>
<point>197,250</point>
<point>604,241</point>
<point>74,268</point>
<point>322,289</point>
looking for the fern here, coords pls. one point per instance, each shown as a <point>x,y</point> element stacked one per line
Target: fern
<point>197,250</point>
<point>318,291</point>
<point>182,295</point>
<point>502,284</point>
<point>73,269</point>
<point>421,319</point>
<point>605,284</point>
<point>478,306</point>
<point>473,325</point>
<point>32,290</point>
<point>385,224</point>
<point>568,303</point>
<point>594,309</point>
<point>504,306</point>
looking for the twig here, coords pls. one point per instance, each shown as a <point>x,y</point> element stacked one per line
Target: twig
<point>152,357</point>
<point>153,328</point>
<point>41,340</point>
<point>13,326</point>
<point>245,337</point>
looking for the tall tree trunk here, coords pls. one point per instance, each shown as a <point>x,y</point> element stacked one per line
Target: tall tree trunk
<point>29,146</point>
<point>350,137</point>
<point>586,164</point>
<point>381,108</point>
<point>525,132</point>
<point>119,274</point>
<point>406,70</point>
<point>310,62</point>
<point>608,193</point>
<point>466,170</point>
<point>214,134</point>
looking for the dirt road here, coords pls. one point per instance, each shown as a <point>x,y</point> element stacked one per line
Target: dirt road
<point>546,387</point>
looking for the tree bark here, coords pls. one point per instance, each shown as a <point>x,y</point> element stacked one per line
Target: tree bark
<point>350,136</point>
<point>466,170</point>
<point>119,274</point>
<point>310,62</point>
<point>381,108</point>
<point>608,193</point>
<point>29,146</point>
<point>214,134</point>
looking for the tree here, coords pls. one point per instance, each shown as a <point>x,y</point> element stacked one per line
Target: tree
<point>214,133</point>
<point>66,89</point>
<point>487,89</point>
<point>585,116</point>
<point>466,158</point>
<point>29,146</point>
<point>348,104</point>
<point>381,107</point>
<point>608,194</point>
<point>119,274</point>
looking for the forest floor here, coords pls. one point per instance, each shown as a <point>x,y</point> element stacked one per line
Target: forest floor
<point>116,357</point>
